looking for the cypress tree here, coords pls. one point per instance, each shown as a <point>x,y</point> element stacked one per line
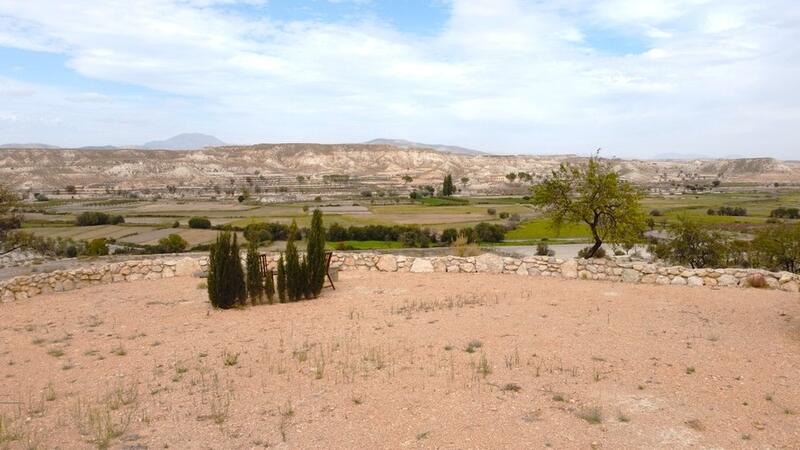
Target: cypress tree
<point>237,274</point>
<point>226,285</point>
<point>281,280</point>
<point>304,279</point>
<point>315,252</point>
<point>255,280</point>
<point>448,188</point>
<point>269,285</point>
<point>293,281</point>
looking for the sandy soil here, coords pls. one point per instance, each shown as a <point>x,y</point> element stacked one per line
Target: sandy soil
<point>382,363</point>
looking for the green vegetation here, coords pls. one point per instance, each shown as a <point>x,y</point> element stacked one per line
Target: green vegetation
<point>199,223</point>
<point>595,195</point>
<point>255,279</point>
<point>97,247</point>
<point>281,279</point>
<point>173,243</point>
<point>448,188</point>
<point>93,218</point>
<point>315,254</point>
<point>226,284</point>
<point>294,287</point>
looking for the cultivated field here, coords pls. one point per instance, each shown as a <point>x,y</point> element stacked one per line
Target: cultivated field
<point>148,221</point>
<point>404,360</point>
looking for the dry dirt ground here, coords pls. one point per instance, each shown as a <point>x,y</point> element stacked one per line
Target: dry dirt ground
<point>404,360</point>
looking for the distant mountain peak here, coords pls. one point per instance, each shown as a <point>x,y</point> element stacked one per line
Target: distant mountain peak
<point>403,143</point>
<point>185,141</point>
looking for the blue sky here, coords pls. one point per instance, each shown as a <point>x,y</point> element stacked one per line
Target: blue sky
<point>711,77</point>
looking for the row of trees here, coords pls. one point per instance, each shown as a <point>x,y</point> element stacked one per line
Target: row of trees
<point>92,218</point>
<point>735,211</point>
<point>297,276</point>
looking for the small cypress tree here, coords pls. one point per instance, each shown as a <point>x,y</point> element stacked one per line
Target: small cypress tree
<point>281,280</point>
<point>305,279</point>
<point>293,276</point>
<point>269,285</point>
<point>226,287</point>
<point>315,252</point>
<point>255,280</point>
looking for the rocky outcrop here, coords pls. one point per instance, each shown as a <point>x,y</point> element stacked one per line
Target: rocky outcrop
<point>620,270</point>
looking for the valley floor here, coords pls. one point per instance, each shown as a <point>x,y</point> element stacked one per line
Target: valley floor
<point>404,360</point>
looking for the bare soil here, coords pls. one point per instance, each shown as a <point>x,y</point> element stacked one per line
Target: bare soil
<point>404,360</point>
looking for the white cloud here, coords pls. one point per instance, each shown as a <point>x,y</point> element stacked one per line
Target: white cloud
<point>506,75</point>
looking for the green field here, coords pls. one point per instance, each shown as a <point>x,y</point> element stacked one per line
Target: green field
<point>148,221</point>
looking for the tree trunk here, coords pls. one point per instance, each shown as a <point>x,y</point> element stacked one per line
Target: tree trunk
<point>597,242</point>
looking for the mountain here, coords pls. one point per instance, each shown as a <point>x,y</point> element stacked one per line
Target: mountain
<point>185,141</point>
<point>402,143</point>
<point>29,145</point>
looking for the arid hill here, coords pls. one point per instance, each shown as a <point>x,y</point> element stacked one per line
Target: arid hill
<point>379,164</point>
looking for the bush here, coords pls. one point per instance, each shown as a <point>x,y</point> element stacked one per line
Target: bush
<point>504,215</point>
<point>176,224</point>
<point>226,284</point>
<point>199,223</point>
<point>462,247</point>
<point>448,236</point>
<point>728,211</point>
<point>71,251</point>
<point>777,248</point>
<point>491,211</point>
<point>490,232</point>
<point>116,220</point>
<point>173,243</point>
<point>656,213</point>
<point>255,279</point>
<point>265,232</point>
<point>97,247</point>
<point>785,213</point>
<point>600,253</point>
<point>92,218</point>
<point>542,249</point>
<point>269,286</point>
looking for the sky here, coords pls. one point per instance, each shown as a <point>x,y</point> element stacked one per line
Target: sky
<point>639,78</point>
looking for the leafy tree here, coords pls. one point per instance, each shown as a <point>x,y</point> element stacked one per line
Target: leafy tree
<point>407,179</point>
<point>511,177</point>
<point>8,219</point>
<point>255,280</point>
<point>293,282</point>
<point>595,195</point>
<point>70,189</point>
<point>226,284</point>
<point>281,279</point>
<point>315,251</point>
<point>464,180</point>
<point>173,243</point>
<point>691,244</point>
<point>447,186</point>
<point>778,248</point>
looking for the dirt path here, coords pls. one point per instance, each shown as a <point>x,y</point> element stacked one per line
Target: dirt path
<point>382,362</point>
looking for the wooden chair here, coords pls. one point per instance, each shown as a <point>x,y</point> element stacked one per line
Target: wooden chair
<point>328,256</point>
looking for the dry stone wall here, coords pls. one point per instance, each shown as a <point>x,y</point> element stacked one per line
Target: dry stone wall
<point>621,270</point>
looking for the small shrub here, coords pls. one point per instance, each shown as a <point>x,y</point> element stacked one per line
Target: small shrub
<point>542,249</point>
<point>176,224</point>
<point>97,247</point>
<point>600,253</point>
<point>491,211</point>
<point>593,415</point>
<point>199,223</point>
<point>473,345</point>
<point>504,215</point>
<point>461,247</point>
<point>173,243</point>
<point>281,284</point>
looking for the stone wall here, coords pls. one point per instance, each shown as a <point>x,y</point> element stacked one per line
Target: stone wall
<point>622,270</point>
